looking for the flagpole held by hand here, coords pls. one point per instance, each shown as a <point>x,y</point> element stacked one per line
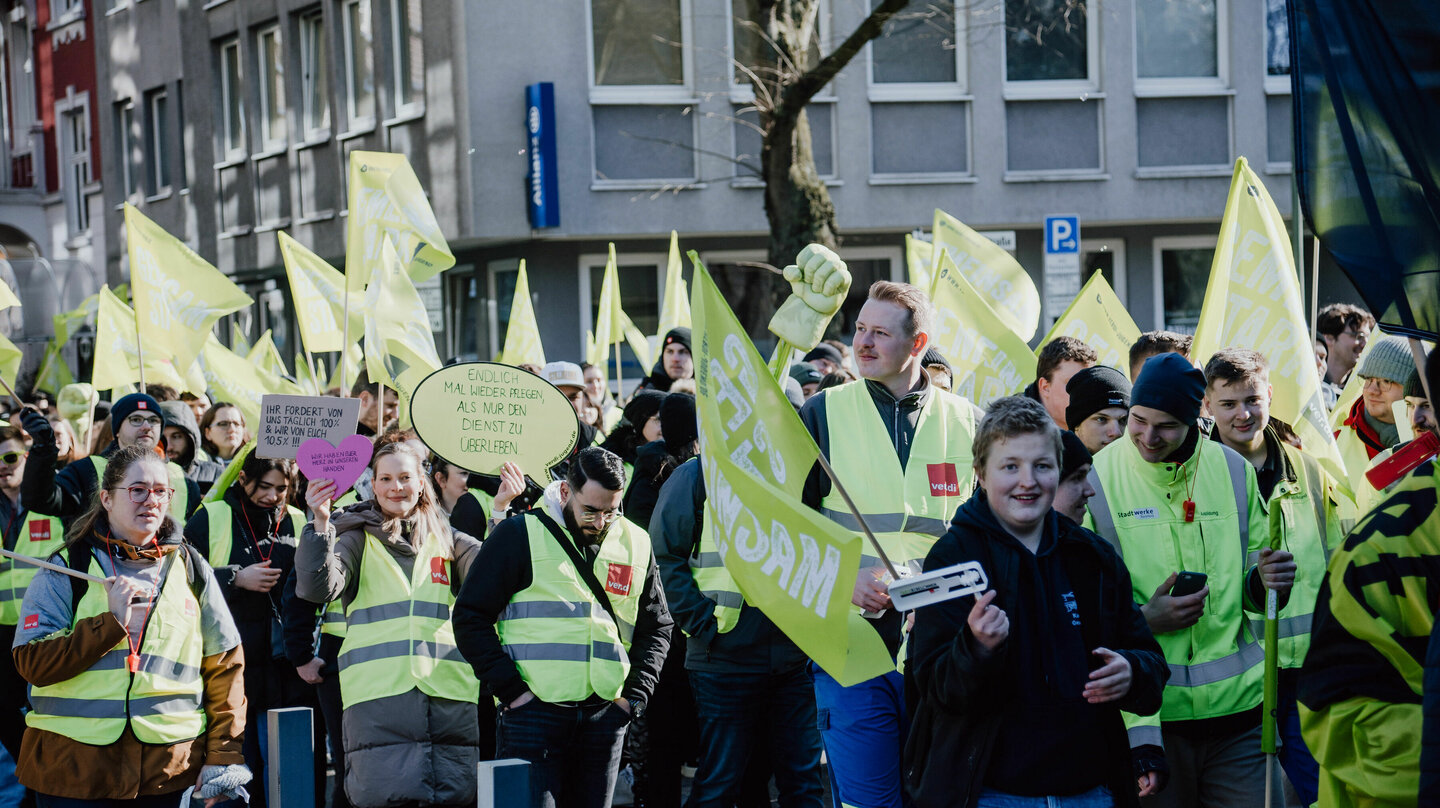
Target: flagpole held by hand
<point>54,567</point>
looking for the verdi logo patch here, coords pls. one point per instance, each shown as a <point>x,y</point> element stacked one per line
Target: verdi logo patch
<point>944,482</point>
<point>617,580</point>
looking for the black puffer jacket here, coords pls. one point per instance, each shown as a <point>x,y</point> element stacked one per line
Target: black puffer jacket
<point>964,698</point>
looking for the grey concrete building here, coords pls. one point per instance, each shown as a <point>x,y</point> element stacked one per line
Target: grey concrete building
<point>1127,113</point>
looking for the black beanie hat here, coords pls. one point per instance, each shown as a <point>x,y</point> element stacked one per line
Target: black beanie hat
<point>825,351</point>
<point>678,423</point>
<point>934,357</point>
<point>1094,389</point>
<point>645,404</point>
<point>806,373</point>
<point>681,335</point>
<point>1076,455</point>
<point>134,402</point>
<point>1170,384</point>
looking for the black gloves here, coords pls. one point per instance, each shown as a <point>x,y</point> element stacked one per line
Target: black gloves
<point>38,426</point>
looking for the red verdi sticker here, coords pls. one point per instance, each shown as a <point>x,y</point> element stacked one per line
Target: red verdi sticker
<point>32,621</point>
<point>39,530</point>
<point>439,574</point>
<point>944,482</point>
<point>617,580</point>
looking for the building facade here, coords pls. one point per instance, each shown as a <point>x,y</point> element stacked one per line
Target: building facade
<point>229,120</point>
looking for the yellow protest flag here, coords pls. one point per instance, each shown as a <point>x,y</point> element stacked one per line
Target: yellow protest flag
<point>919,257</point>
<point>990,361</point>
<point>239,343</point>
<point>399,346</point>
<point>67,323</point>
<point>117,358</point>
<point>265,356</point>
<point>1007,287</point>
<point>522,335</point>
<point>54,372</point>
<point>612,325</point>
<point>318,291</point>
<point>795,565</point>
<point>1253,301</point>
<point>178,295</point>
<point>386,201</point>
<point>675,310</point>
<point>235,378</point>
<point>10,358</point>
<point>1097,318</point>
<point>306,377</point>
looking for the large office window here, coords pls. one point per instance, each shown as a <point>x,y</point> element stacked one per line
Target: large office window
<point>1050,41</point>
<point>1176,39</point>
<point>272,87</point>
<point>315,74</point>
<point>75,165</point>
<point>128,146</point>
<point>232,100</point>
<point>750,47</point>
<point>1182,109</point>
<point>1183,268</point>
<point>359,63</point>
<point>919,114</point>
<point>409,49</point>
<point>642,104</point>
<point>157,142</point>
<point>920,45</point>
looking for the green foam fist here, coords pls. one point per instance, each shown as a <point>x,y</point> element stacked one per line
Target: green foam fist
<point>819,282</point>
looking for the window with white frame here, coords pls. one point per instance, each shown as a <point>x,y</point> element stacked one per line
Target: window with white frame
<point>750,46</point>
<point>1051,46</point>
<point>1180,45</point>
<point>272,87</point>
<point>1182,271</point>
<point>22,83</point>
<point>359,37</point>
<point>919,113</point>
<point>919,52</point>
<point>157,142</point>
<point>642,103</point>
<point>1277,47</point>
<point>74,162</point>
<point>232,100</point>
<point>60,9</point>
<point>127,145</point>
<point>315,74</point>
<point>409,50</point>
<point>751,52</point>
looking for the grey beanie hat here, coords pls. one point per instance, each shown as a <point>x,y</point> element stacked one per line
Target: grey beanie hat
<point>1388,358</point>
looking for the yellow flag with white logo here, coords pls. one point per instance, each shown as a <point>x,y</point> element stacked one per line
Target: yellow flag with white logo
<point>117,356</point>
<point>994,273</point>
<point>675,311</point>
<point>318,290</point>
<point>522,335</point>
<point>1253,301</point>
<point>612,325</point>
<point>919,257</point>
<point>178,295</point>
<point>236,379</point>
<point>10,358</point>
<point>386,201</point>
<point>990,360</point>
<point>1097,318</point>
<point>399,345</point>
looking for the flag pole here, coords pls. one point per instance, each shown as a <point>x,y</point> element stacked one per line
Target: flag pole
<point>380,407</point>
<point>140,351</point>
<point>345,335</point>
<point>1315,293</point>
<point>854,511</point>
<point>619,375</point>
<point>53,567</point>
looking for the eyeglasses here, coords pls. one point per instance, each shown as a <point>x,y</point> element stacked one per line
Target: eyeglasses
<point>140,493</point>
<point>1384,385</point>
<point>590,517</point>
<point>138,420</point>
<point>11,458</point>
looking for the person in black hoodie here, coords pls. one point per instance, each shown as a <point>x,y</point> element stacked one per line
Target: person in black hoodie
<point>675,362</point>
<point>1020,688</point>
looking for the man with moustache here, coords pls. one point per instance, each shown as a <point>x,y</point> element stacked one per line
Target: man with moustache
<point>1172,502</point>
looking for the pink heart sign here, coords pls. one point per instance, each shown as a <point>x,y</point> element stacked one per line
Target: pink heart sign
<point>322,460</point>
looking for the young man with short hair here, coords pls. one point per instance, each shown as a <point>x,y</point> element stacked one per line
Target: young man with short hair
<point>1344,328</point>
<point>1060,359</point>
<point>902,451</point>
<point>370,423</point>
<point>1154,343</point>
<point>1299,499</point>
<point>1171,503</point>
<point>1099,406</point>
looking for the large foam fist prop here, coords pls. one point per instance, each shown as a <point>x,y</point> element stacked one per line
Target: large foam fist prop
<point>819,282</point>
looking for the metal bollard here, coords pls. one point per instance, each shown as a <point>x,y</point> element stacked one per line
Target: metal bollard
<point>290,759</point>
<point>503,783</point>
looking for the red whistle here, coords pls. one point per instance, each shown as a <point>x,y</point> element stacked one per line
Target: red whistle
<point>133,663</point>
<point>1189,510</point>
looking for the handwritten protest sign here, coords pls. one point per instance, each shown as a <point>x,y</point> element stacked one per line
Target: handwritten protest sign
<point>320,459</point>
<point>482,415</point>
<point>286,422</point>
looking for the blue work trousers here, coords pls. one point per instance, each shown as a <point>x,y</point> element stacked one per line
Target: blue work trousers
<point>864,728</point>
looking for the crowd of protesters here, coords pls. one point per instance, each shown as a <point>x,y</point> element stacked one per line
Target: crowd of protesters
<point>1135,528</point>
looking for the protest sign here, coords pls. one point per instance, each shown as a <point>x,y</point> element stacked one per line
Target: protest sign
<point>319,459</point>
<point>792,563</point>
<point>286,422</point>
<point>482,415</point>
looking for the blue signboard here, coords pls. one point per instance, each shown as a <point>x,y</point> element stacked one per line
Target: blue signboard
<point>1062,234</point>
<point>544,187</point>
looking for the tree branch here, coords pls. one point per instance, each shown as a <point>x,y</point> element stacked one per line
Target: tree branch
<point>798,94</point>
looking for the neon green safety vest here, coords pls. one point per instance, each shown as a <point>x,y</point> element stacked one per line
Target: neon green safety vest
<point>398,633</point>
<point>332,620</point>
<point>40,537</point>
<point>346,500</point>
<point>908,510</point>
<point>179,504</point>
<point>562,640</point>
<point>162,703</point>
<point>708,570</point>
<point>486,501</point>
<point>1302,514</point>
<point>1215,665</point>
<point>220,518</point>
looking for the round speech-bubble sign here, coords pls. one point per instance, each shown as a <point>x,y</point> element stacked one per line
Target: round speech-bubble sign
<point>482,415</point>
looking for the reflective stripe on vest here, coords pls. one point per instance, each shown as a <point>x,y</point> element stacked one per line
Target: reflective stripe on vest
<point>163,702</point>
<point>40,537</point>
<point>332,620</point>
<point>179,504</point>
<point>221,521</point>
<point>562,640</point>
<point>714,581</point>
<point>398,634</point>
<point>906,509</point>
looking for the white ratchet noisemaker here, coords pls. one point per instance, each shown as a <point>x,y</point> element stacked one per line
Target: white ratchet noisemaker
<point>936,586</point>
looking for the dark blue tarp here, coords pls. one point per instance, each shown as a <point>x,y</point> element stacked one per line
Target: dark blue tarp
<point>1366,87</point>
